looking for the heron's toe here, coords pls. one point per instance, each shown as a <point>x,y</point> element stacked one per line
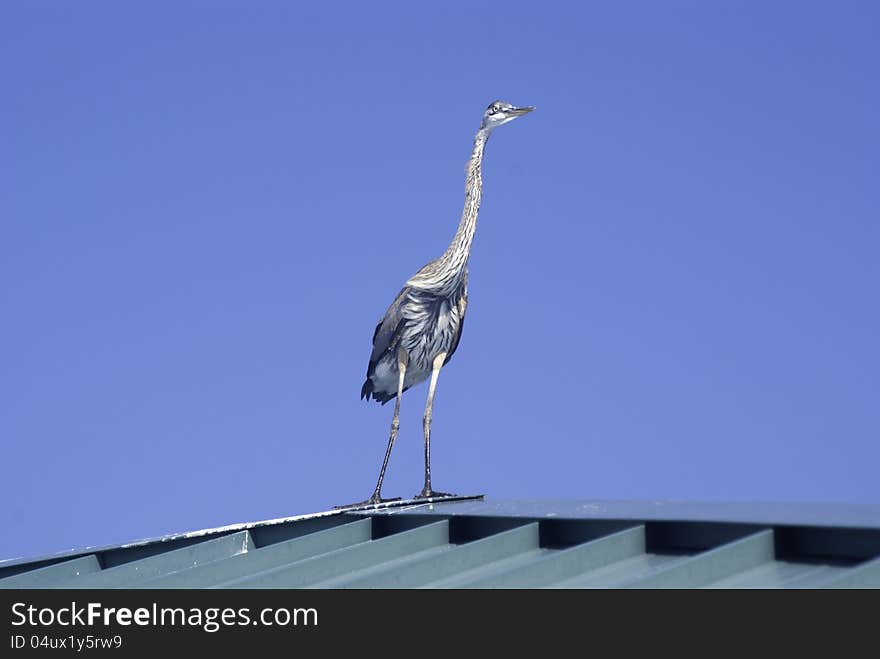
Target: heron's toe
<point>433,494</point>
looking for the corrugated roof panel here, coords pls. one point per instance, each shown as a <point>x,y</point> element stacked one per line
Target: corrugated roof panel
<point>865,575</point>
<point>619,573</point>
<point>266,558</point>
<point>554,566</point>
<point>707,567</point>
<point>467,578</point>
<point>455,546</point>
<point>458,558</point>
<point>53,574</point>
<point>136,572</point>
<point>300,574</point>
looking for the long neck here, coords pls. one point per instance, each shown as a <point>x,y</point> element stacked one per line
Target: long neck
<point>447,271</point>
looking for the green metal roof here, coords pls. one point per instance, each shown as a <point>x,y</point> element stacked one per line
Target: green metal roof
<point>496,544</point>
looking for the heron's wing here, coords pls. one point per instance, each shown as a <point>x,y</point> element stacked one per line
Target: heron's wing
<point>385,340</point>
<point>387,329</point>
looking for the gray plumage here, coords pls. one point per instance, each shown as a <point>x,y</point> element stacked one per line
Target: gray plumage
<point>423,323</point>
<point>422,327</point>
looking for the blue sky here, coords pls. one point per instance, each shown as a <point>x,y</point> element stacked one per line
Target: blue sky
<point>207,207</point>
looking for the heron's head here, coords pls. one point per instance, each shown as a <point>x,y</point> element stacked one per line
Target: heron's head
<point>501,112</point>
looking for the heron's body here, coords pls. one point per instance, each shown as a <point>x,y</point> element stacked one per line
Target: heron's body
<point>422,323</point>
<point>425,324</point>
<point>422,327</point>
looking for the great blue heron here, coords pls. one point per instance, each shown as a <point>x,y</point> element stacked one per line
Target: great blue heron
<point>420,331</point>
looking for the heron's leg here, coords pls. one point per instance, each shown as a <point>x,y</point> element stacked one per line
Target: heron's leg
<point>376,498</point>
<point>402,361</point>
<point>435,372</point>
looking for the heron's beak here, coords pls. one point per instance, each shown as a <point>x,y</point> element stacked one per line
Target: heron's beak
<point>518,112</point>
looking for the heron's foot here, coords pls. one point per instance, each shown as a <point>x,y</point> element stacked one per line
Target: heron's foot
<point>428,493</point>
<point>374,500</point>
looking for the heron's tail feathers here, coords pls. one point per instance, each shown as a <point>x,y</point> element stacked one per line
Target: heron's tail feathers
<point>368,391</point>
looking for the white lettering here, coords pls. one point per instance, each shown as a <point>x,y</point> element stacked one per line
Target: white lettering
<point>22,617</point>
